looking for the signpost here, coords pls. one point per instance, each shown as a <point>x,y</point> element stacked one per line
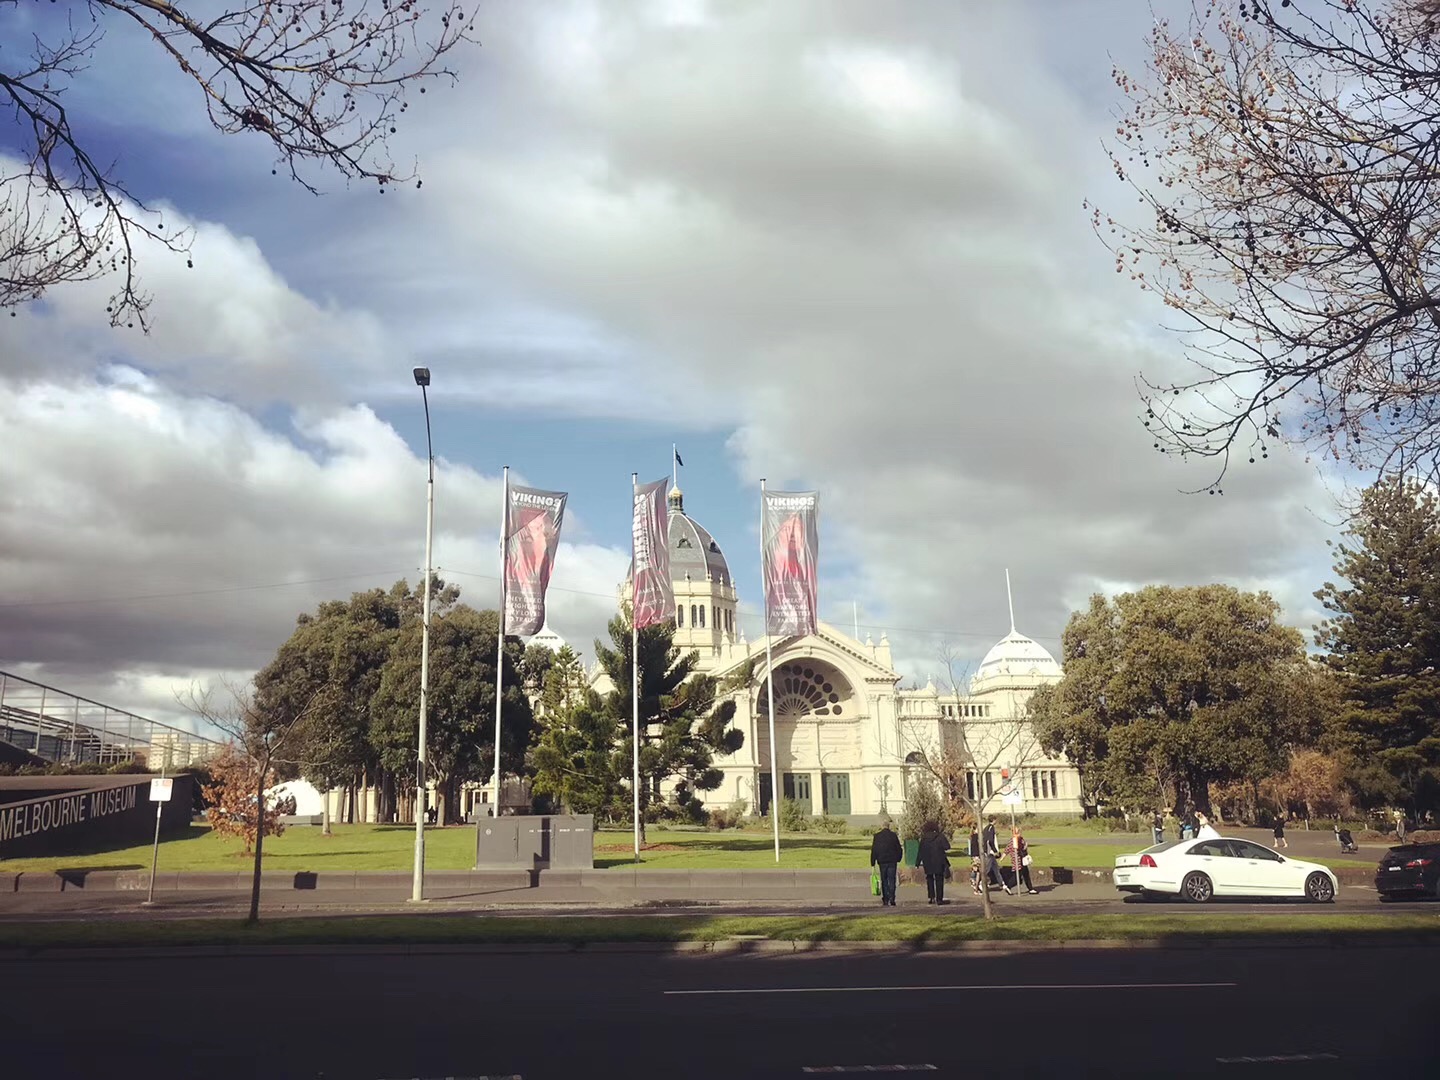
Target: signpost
<point>160,791</point>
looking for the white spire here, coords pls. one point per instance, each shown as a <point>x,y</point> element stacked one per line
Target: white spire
<point>1010,600</point>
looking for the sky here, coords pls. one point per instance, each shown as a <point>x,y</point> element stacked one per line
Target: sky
<point>838,245</point>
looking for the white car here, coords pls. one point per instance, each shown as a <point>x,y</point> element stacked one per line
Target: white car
<point>1221,866</point>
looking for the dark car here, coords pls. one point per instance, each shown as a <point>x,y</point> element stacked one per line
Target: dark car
<point>1409,870</point>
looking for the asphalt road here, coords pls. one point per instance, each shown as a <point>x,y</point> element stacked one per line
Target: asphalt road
<point>1304,1013</point>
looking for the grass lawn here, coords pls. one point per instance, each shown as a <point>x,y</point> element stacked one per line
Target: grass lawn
<point>390,847</point>
<point>423,929</point>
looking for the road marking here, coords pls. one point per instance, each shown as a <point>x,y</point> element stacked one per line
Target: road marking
<point>867,1068</point>
<point>992,986</point>
<point>1273,1058</point>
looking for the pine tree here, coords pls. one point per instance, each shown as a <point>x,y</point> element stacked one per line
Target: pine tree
<point>1384,642</point>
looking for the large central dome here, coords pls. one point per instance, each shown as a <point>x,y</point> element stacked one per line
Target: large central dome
<point>693,551</point>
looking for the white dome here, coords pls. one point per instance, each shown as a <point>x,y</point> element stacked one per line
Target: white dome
<point>1016,654</point>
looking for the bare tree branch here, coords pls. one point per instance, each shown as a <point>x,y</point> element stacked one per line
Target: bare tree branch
<point>324,81</point>
<point>1288,156</point>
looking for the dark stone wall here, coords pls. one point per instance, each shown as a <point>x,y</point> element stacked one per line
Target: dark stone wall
<point>64,815</point>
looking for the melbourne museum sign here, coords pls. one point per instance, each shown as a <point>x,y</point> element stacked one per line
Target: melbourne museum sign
<point>59,815</point>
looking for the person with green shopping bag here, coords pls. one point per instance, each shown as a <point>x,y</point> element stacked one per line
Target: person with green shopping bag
<point>885,855</point>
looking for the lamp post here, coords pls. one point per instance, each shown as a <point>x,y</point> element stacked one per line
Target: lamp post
<point>417,892</point>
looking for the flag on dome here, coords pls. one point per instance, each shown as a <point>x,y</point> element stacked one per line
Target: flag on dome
<point>790,556</point>
<point>653,594</point>
<point>532,535</point>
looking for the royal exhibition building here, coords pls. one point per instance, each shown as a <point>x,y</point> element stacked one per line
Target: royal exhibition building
<point>847,737</point>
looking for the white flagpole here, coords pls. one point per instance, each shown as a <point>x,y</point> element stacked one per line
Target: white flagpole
<point>635,667</point>
<point>500,637</point>
<point>674,465</point>
<point>770,686</point>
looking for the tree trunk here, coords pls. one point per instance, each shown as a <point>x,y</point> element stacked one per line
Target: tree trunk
<point>325,811</point>
<point>259,843</point>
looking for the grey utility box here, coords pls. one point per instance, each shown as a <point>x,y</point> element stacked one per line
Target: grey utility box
<point>535,842</point>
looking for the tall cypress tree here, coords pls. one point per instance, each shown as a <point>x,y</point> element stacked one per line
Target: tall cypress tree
<point>1384,641</point>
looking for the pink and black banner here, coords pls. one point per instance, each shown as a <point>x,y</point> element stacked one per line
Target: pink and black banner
<point>790,556</point>
<point>532,534</point>
<point>654,595</point>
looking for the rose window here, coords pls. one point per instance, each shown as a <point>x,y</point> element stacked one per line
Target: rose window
<point>804,690</point>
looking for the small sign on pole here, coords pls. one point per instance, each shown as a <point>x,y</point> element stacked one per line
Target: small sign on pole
<point>160,789</point>
<point>1012,798</point>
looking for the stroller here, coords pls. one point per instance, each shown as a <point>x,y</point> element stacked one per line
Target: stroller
<point>1347,842</point>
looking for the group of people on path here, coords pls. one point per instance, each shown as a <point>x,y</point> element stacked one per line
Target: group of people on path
<point>886,854</point>
<point>1193,825</point>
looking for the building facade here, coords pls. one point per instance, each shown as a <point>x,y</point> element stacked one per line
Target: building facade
<point>847,739</point>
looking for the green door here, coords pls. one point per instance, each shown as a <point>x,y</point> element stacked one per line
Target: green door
<point>796,785</point>
<point>837,793</point>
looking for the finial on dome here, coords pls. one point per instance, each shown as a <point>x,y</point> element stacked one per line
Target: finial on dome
<point>677,499</point>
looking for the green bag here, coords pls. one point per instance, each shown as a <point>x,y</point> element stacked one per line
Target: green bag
<point>875,881</point>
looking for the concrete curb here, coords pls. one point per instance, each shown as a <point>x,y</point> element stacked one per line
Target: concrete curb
<point>730,946</point>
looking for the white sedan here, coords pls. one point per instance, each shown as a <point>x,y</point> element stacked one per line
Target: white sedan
<point>1221,866</point>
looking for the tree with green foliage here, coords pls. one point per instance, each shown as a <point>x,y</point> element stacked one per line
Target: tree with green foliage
<point>1383,641</point>
<point>685,717</point>
<point>576,757</point>
<point>1170,689</point>
<point>461,705</point>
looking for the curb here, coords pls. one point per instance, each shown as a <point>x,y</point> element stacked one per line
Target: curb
<point>731,946</point>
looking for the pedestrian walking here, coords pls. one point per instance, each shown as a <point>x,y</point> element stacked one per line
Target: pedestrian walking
<point>886,853</point>
<point>1280,840</point>
<point>935,860</point>
<point>975,859</point>
<point>1019,853</point>
<point>992,855</point>
<point>1400,826</point>
<point>1157,827</point>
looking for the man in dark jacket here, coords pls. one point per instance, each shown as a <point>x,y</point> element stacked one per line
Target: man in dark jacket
<point>935,860</point>
<point>886,853</point>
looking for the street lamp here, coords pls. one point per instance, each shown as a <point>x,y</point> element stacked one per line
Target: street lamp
<point>417,892</point>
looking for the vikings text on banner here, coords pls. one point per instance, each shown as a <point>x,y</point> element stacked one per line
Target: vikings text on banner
<point>790,554</point>
<point>654,595</point>
<point>532,533</point>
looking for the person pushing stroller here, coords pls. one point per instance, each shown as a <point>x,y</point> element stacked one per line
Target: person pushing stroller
<point>1347,842</point>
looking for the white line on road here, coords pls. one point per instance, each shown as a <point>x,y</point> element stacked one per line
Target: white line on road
<point>1270,1058</point>
<point>868,1068</point>
<point>992,986</point>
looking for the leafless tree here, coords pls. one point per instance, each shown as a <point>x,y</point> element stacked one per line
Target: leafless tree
<point>967,749</point>
<point>1287,161</point>
<point>324,82</point>
<point>264,735</point>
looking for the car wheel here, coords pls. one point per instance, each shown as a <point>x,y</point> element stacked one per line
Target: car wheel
<point>1197,888</point>
<point>1318,889</point>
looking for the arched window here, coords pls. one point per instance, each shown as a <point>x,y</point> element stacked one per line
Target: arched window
<point>694,619</point>
<point>914,758</point>
<point>679,614</point>
<point>702,616</point>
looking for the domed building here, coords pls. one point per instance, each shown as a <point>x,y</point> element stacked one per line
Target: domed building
<point>846,737</point>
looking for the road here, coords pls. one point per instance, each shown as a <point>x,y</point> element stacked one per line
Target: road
<point>1323,1012</point>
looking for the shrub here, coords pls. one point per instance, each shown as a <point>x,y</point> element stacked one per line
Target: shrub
<point>728,817</point>
<point>826,823</point>
<point>794,817</point>
<point>925,804</point>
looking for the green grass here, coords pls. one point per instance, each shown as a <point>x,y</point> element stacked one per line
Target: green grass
<point>916,929</point>
<point>389,847</point>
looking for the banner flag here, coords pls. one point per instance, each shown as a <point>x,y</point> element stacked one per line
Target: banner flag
<point>790,555</point>
<point>532,534</point>
<point>654,595</point>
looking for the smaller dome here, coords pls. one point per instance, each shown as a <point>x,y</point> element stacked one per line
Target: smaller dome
<point>1016,654</point>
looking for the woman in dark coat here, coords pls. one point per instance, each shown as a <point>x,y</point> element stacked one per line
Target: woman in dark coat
<point>934,859</point>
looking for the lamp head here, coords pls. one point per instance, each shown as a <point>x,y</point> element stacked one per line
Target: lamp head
<point>422,376</point>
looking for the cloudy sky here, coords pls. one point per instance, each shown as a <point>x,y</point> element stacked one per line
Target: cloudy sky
<point>838,245</point>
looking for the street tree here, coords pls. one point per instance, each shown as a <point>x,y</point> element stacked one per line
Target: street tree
<point>322,84</point>
<point>1169,689</point>
<point>1282,156</point>
<point>685,717</point>
<point>577,757</point>
<point>262,731</point>
<point>966,754</point>
<point>1383,642</point>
